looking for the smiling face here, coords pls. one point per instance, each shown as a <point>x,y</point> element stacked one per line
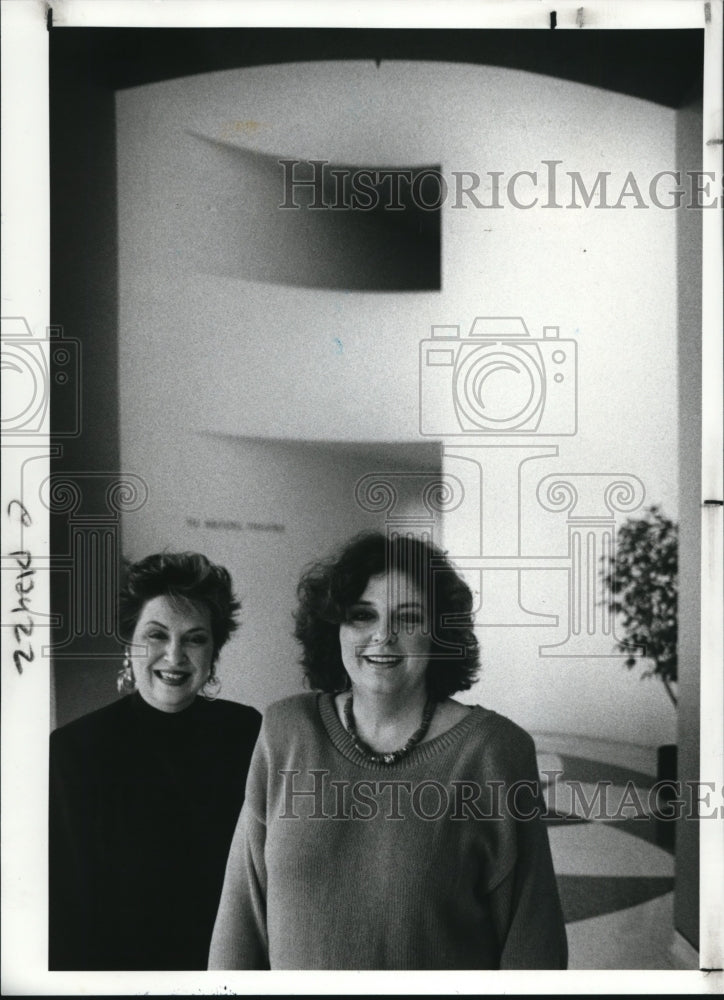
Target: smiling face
<point>172,652</point>
<point>385,640</point>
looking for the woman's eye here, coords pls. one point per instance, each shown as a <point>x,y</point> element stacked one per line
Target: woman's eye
<point>360,616</point>
<point>412,615</point>
<point>197,640</point>
<point>160,636</point>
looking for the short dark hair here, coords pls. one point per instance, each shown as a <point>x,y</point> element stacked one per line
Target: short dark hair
<point>329,588</point>
<point>187,576</point>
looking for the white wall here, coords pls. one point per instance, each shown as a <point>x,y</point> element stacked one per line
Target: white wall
<point>206,350</point>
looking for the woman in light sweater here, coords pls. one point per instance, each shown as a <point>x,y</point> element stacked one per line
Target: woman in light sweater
<point>387,825</point>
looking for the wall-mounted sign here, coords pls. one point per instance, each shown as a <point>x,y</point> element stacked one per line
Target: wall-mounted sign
<point>219,525</point>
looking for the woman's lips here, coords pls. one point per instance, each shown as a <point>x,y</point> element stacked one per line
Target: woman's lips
<point>382,661</point>
<point>172,677</point>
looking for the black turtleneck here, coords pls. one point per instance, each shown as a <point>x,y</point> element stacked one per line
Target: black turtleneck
<point>143,805</point>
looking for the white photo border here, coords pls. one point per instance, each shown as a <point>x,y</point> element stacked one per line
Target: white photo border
<point>25,293</point>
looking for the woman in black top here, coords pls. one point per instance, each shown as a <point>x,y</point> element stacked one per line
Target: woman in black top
<point>145,793</point>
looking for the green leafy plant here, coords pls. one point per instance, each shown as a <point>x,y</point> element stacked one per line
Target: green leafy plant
<point>641,584</point>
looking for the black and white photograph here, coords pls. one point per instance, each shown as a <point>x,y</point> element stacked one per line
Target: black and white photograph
<point>362,497</point>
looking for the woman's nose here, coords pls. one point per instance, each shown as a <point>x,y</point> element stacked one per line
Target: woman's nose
<point>384,633</point>
<point>174,652</point>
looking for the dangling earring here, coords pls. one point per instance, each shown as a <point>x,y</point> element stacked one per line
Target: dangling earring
<point>125,681</point>
<point>211,688</point>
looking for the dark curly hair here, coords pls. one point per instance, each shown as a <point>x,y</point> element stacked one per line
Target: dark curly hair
<point>329,588</point>
<point>186,576</point>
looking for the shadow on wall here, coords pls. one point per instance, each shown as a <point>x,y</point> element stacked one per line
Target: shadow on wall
<point>288,222</point>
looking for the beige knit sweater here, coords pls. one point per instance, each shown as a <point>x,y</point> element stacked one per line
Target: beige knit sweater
<point>428,863</point>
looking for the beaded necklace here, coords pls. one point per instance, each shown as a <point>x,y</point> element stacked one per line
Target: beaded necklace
<point>388,756</point>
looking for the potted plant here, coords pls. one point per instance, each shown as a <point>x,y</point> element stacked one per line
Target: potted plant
<point>641,584</point>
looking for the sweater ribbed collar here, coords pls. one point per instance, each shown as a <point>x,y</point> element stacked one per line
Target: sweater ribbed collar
<point>422,752</point>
